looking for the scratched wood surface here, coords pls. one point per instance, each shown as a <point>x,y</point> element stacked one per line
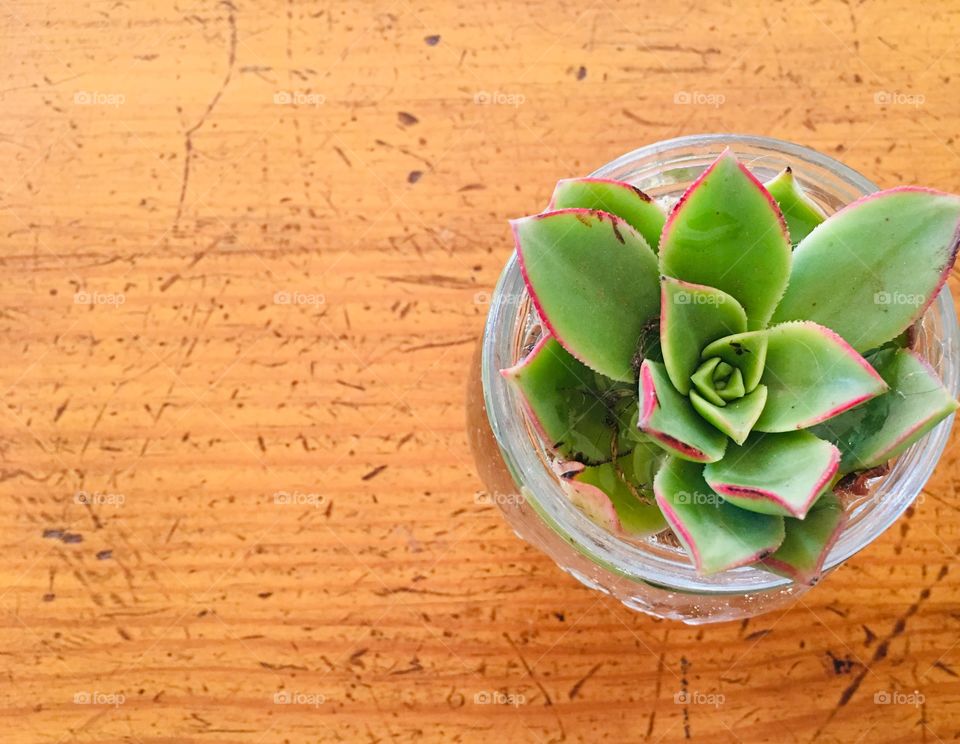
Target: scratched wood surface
<point>246,250</point>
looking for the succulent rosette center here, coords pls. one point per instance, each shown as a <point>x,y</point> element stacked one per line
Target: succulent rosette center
<point>718,381</point>
<point>774,374</point>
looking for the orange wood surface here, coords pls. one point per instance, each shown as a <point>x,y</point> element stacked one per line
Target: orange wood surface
<point>247,248</point>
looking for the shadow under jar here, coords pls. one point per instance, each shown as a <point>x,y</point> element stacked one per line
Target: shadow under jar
<point>654,575</point>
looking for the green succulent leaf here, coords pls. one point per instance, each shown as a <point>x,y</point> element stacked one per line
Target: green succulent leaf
<point>727,232</point>
<point>715,534</point>
<point>647,458</point>
<point>875,266</point>
<point>574,412</point>
<point>691,316</point>
<point>702,381</point>
<point>594,282</point>
<point>730,388</point>
<point>616,197</point>
<point>592,501</point>
<point>630,507</point>
<point>799,210</point>
<point>812,375</point>
<point>736,419</point>
<point>775,473</point>
<point>807,541</point>
<point>745,351</point>
<point>887,425</point>
<point>670,419</point>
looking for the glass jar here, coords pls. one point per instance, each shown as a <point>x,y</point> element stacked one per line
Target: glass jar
<point>655,576</point>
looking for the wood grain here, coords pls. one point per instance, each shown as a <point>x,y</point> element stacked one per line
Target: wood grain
<point>170,167</point>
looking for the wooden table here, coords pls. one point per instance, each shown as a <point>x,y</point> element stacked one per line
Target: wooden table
<point>247,248</point>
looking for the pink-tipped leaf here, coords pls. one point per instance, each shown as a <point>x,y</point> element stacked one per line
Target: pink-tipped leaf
<point>875,266</point>
<point>727,232</point>
<point>887,425</point>
<point>800,211</point>
<point>669,419</point>
<point>594,282</point>
<point>616,197</point>
<point>568,405</point>
<point>807,542</point>
<point>715,534</point>
<point>812,375</point>
<point>618,495</point>
<point>775,473</point>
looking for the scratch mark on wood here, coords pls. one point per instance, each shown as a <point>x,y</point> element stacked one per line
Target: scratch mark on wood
<point>173,528</point>
<point>439,344</point>
<point>879,653</point>
<point>60,409</point>
<point>526,666</point>
<point>434,280</point>
<point>575,690</point>
<point>374,473</point>
<point>188,135</point>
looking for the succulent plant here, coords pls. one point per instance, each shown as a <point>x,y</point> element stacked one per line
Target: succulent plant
<point>719,369</point>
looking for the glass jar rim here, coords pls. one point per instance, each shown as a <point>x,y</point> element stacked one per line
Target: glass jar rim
<point>541,487</point>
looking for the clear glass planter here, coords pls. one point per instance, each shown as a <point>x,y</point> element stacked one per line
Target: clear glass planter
<point>655,576</point>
